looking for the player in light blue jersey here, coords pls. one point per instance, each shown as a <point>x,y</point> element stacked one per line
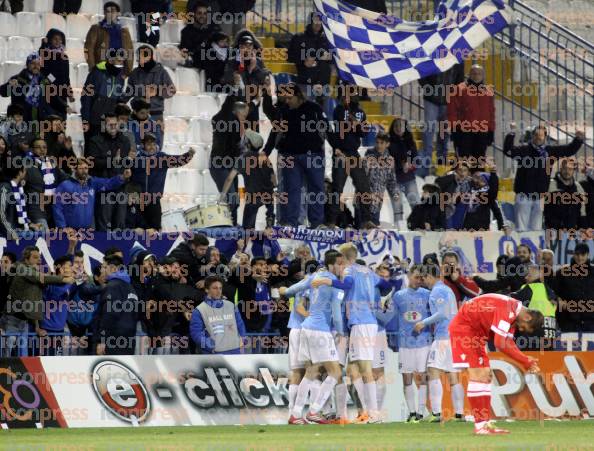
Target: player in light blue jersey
<point>359,287</point>
<point>443,306</point>
<point>408,306</point>
<point>316,342</point>
<point>300,293</point>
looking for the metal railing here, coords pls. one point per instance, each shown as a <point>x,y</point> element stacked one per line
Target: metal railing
<point>542,71</point>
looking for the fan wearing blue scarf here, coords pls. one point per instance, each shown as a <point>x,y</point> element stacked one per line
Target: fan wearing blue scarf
<point>108,38</point>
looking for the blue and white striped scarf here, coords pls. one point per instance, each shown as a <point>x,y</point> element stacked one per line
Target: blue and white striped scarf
<point>21,207</point>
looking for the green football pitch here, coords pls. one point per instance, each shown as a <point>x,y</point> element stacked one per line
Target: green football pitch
<point>526,435</point>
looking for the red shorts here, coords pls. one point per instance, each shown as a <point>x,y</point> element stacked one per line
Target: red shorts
<point>468,349</point>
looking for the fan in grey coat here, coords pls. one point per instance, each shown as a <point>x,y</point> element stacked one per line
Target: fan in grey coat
<point>150,81</point>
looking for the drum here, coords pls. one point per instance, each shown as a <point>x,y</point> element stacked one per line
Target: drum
<point>173,221</point>
<point>202,217</point>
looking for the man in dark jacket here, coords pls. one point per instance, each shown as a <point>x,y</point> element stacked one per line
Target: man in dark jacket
<point>512,277</point>
<point>534,161</point>
<point>301,154</point>
<point>482,200</point>
<point>152,82</point>
<point>435,89</point>
<point>56,68</point>
<point>228,139</point>
<point>103,90</point>
<point>454,185</point>
<point>150,172</point>
<point>108,152</point>
<point>350,126</point>
<point>309,51</point>
<point>245,68</point>
<point>574,286</point>
<point>192,256</point>
<point>41,182</point>
<point>428,215</point>
<point>197,33</point>
<point>148,18</point>
<point>170,299</point>
<point>116,322</point>
<point>565,202</point>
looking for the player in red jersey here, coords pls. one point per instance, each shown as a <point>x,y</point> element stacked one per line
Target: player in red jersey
<point>478,320</point>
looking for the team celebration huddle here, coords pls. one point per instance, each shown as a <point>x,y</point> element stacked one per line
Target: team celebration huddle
<point>338,325</point>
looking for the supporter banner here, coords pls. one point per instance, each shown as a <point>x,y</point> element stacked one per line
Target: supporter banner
<point>247,389</point>
<point>478,251</point>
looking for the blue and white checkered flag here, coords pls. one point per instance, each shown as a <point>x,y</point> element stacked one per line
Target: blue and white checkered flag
<point>375,50</point>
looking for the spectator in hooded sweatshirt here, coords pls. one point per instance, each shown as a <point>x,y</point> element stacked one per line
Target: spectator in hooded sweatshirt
<point>103,90</point>
<point>379,166</point>
<point>108,39</point>
<point>196,34</point>
<point>41,182</point>
<point>27,88</point>
<point>57,300</point>
<point>404,151</point>
<point>75,197</point>
<point>56,69</point>
<point>109,152</point>
<point>150,171</point>
<point>151,81</point>
<point>471,115</point>
<point>532,175</point>
<point>309,51</point>
<point>141,122</point>
<point>16,130</point>
<point>565,206</point>
<point>116,321</point>
<point>216,326</point>
<point>428,214</point>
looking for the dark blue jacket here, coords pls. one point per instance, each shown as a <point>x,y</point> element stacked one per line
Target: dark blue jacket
<point>119,310</point>
<point>101,93</point>
<point>57,301</point>
<point>75,201</point>
<point>150,171</point>
<point>200,335</point>
<point>86,304</point>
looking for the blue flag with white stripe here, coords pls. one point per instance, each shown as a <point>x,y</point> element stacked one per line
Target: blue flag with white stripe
<point>375,50</point>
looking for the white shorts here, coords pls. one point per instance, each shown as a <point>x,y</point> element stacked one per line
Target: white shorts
<point>440,356</point>
<point>362,342</point>
<point>342,347</point>
<point>381,348</point>
<point>317,346</point>
<point>413,360</point>
<point>294,362</point>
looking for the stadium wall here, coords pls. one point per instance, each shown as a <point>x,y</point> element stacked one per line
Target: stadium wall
<point>133,391</point>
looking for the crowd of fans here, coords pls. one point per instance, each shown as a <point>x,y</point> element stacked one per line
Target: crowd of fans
<point>122,108</point>
<point>182,302</point>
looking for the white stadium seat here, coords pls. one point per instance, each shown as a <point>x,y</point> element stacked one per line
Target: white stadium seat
<point>77,26</point>
<point>29,24</point>
<point>3,52</point>
<point>186,106</point>
<point>4,102</point>
<point>174,76</point>
<point>171,31</point>
<point>82,71</point>
<point>38,6</point>
<point>91,7</point>
<point>74,127</point>
<point>19,48</point>
<point>176,130</point>
<point>188,81</point>
<point>51,20</point>
<point>208,106</point>
<point>73,75</point>
<point>201,131</point>
<point>11,68</point>
<point>7,25</point>
<point>169,55</point>
<point>75,50</point>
